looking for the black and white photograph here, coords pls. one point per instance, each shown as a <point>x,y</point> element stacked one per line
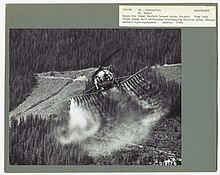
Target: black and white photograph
<point>95,96</point>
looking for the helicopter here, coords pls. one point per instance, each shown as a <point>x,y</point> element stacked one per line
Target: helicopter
<point>104,80</point>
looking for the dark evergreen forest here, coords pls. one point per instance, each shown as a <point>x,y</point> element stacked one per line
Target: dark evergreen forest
<point>39,50</point>
<point>33,141</point>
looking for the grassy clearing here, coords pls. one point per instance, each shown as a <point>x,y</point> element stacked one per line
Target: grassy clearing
<point>51,94</point>
<point>171,72</point>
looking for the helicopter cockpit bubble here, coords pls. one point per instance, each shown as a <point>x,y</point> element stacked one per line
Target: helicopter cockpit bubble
<point>104,79</point>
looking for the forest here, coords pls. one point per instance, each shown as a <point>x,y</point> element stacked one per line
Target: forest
<point>33,51</point>
<point>33,138</point>
<point>33,141</point>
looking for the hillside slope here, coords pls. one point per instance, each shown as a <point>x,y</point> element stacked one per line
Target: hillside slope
<point>172,72</point>
<point>51,94</point>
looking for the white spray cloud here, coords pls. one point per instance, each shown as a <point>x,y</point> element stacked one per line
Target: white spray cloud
<point>81,125</point>
<point>124,135</point>
<point>118,135</point>
<point>128,132</point>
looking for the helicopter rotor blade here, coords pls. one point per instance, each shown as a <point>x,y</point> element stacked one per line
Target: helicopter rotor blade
<point>105,62</point>
<point>109,57</point>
